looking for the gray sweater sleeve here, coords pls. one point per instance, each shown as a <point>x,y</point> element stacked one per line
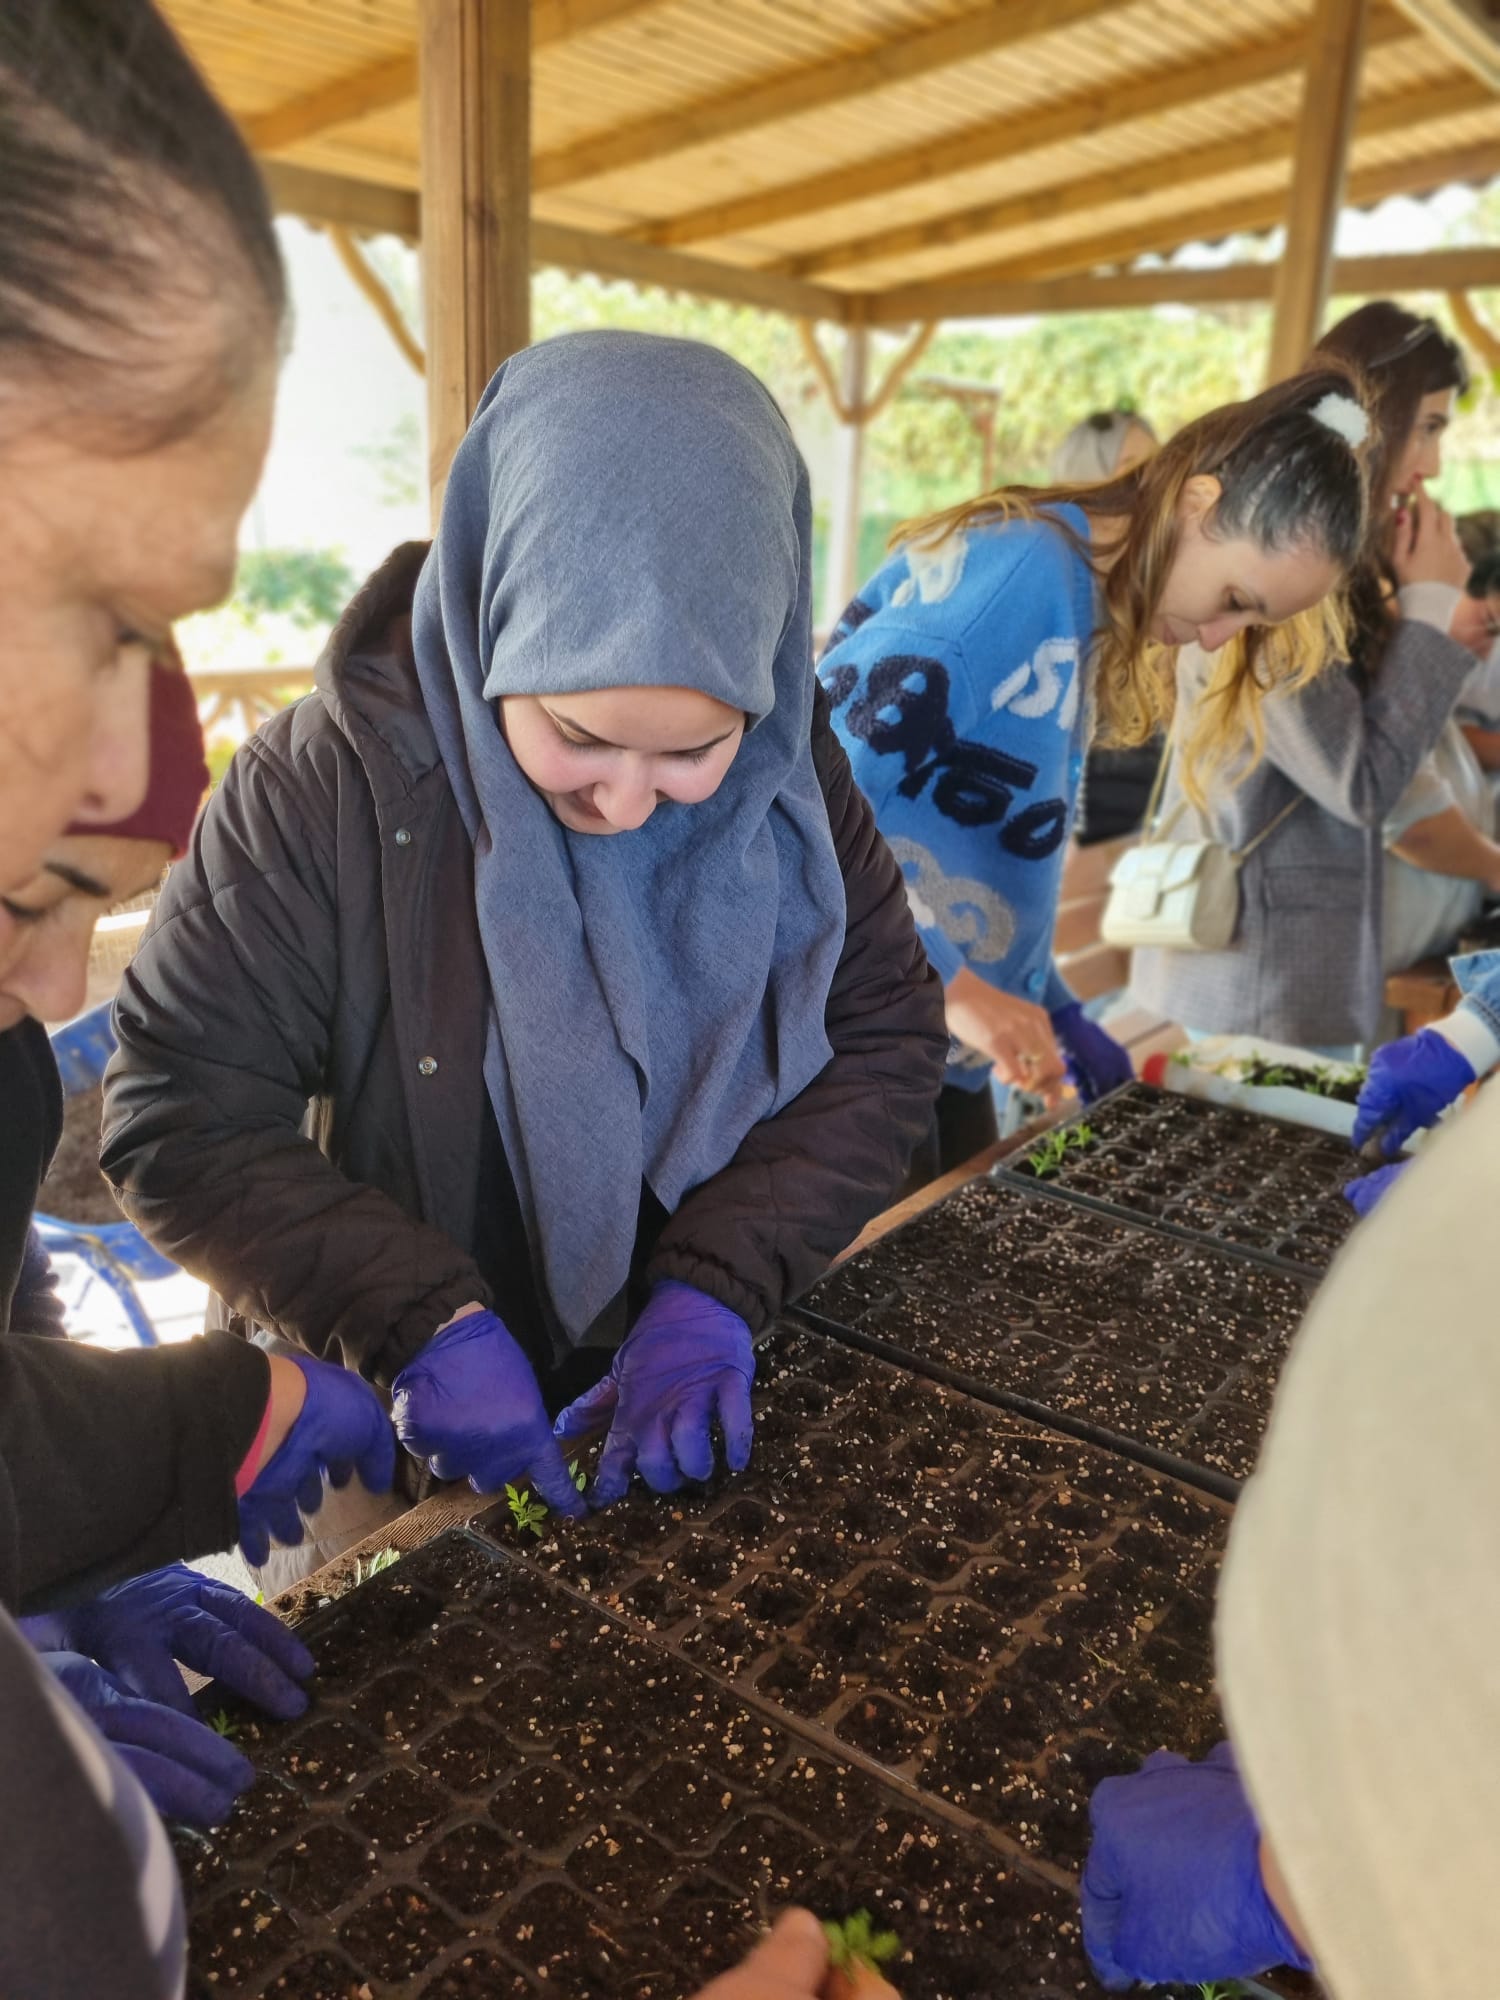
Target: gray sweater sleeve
<point>1355,754</point>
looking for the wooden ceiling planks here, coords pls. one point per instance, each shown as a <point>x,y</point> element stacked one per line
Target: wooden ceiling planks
<point>829,139</point>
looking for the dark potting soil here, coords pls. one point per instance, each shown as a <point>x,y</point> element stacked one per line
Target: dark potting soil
<point>75,1190</point>
<point>587,1805</point>
<point>1215,1172</point>
<point>958,1596</point>
<point>647,1823</point>
<point>1165,1342</point>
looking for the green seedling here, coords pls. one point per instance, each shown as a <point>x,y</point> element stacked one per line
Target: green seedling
<point>855,1943</point>
<point>528,1512</point>
<point>369,1566</point>
<point>1048,1157</point>
<point>524,1511</point>
<point>223,1725</point>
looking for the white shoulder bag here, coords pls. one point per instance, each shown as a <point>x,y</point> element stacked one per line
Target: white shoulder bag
<point>1181,895</point>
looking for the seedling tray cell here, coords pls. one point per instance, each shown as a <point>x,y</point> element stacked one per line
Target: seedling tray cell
<point>1168,1345</point>
<point>618,1822</point>
<point>1202,1170</point>
<point>950,1596</point>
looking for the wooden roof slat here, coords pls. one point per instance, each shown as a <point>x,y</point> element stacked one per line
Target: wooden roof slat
<point>1090,112</point>
<point>1248,216</point>
<point>1468,30</point>
<point>996,24</point>
<point>1270,143</point>
<point>378,86</point>
<point>1232,284</point>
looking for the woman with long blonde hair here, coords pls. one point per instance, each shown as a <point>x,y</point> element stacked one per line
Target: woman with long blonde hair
<point>970,675</point>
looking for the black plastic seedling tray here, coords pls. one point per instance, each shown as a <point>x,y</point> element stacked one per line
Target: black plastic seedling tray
<point>881,1669</point>
<point>1159,1346</point>
<point>504,1792</point>
<point>988,1612</point>
<point>1253,1185</point>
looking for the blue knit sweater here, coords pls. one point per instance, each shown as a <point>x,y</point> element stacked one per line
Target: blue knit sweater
<point>958,683</point>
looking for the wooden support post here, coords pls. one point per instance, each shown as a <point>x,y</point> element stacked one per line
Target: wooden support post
<point>842,579</point>
<point>1330,90</point>
<point>476,207</point>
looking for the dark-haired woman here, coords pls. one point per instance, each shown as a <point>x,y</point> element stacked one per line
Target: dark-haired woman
<point>970,675</point>
<point>1306,964</point>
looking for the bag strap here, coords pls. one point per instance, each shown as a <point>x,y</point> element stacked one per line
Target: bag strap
<point>1151,831</point>
<point>1243,854</point>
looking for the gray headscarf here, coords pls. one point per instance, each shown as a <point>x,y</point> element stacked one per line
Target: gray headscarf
<point>631,511</point>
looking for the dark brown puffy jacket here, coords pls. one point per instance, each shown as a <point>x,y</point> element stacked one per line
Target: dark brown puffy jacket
<point>297,1110</point>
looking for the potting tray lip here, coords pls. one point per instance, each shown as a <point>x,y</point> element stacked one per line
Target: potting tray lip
<point>1271,1260</point>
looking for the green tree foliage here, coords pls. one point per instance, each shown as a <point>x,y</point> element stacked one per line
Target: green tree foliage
<point>310,587</point>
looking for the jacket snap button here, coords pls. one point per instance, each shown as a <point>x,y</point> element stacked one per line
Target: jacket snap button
<point>428,1065</point>
<point>403,836</point>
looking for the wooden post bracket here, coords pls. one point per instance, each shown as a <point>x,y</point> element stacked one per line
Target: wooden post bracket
<point>375,289</point>
<point>869,406</point>
<point>1481,338</point>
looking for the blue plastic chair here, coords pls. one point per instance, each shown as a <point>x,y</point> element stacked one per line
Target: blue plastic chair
<point>116,1252</point>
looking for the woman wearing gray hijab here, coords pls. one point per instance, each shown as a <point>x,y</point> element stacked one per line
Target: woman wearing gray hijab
<point>540,1010</point>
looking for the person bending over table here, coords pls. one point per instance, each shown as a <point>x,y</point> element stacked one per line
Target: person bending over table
<point>539,1008</point>
<point>970,675</point>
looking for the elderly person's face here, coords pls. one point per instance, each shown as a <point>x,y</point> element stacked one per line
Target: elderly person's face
<point>99,555</point>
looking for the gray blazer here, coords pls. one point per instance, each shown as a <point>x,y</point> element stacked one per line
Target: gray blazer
<point>1305,965</point>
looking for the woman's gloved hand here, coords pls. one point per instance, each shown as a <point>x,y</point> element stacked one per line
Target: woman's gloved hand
<point>470,1405</point>
<point>1095,1061</point>
<point>686,1361</point>
<point>139,1630</point>
<point>340,1428</point>
<point>1363,1194</point>
<point>188,1771</point>
<point>1411,1082</point>
<point>1172,1890</point>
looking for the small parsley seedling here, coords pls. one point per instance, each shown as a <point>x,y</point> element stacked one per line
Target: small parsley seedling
<point>524,1511</point>
<point>855,1942</point>
<point>1049,1156</point>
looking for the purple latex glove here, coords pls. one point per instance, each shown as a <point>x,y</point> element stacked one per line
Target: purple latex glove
<point>188,1771</point>
<point>139,1630</point>
<point>470,1405</point>
<point>1410,1083</point>
<point>686,1360</point>
<point>341,1429</point>
<point>1095,1061</point>
<point>1364,1193</point>
<point>1172,1889</point>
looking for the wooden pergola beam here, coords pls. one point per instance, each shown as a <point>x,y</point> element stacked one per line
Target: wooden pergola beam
<point>644,264</point>
<point>339,201</point>
<point>1234,284</point>
<point>367,210</point>
<point>393,81</point>
<point>476,204</point>
<point>1469,30</point>
<point>1085,115</point>
<point>1325,125</point>
<point>1250,216</point>
<point>998,24</point>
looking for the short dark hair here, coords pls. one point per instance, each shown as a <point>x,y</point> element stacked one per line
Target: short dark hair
<point>129,198</point>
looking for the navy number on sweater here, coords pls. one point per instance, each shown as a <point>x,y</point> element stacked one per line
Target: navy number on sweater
<point>903,711</point>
